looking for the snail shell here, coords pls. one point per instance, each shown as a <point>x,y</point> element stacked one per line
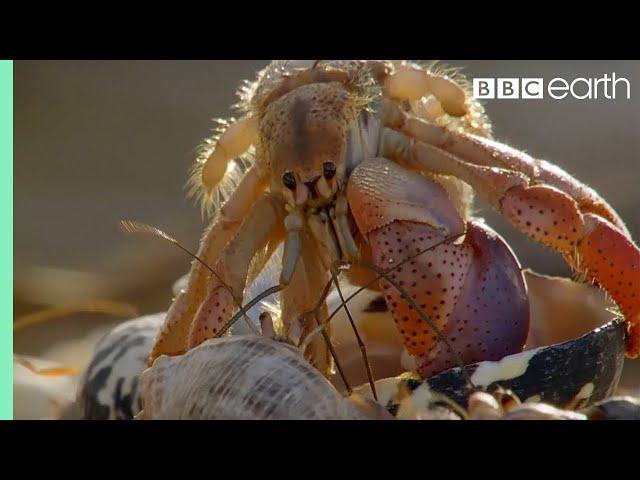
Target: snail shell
<point>110,386</point>
<point>241,377</point>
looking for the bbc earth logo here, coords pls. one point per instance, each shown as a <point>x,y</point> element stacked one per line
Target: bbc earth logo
<point>607,87</point>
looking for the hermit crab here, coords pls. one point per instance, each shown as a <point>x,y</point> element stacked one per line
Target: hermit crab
<point>368,169</point>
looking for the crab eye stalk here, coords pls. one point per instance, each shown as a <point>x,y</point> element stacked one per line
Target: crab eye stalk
<point>289,181</point>
<point>329,170</point>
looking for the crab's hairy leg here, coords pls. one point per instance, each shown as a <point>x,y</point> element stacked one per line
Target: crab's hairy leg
<point>233,142</point>
<point>482,151</point>
<point>473,291</point>
<point>590,242</point>
<point>172,338</point>
<point>263,223</point>
<point>412,83</point>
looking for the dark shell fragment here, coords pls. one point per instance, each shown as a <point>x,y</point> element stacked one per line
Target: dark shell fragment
<point>572,374</point>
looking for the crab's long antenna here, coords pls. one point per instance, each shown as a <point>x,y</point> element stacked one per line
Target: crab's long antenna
<point>363,348</point>
<point>134,227</point>
<point>325,335</point>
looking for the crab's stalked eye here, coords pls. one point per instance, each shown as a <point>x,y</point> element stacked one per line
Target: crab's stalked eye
<point>289,181</point>
<point>329,170</point>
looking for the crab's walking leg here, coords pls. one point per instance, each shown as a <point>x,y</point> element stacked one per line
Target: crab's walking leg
<point>413,83</point>
<point>489,153</point>
<point>473,290</point>
<point>172,338</point>
<point>262,226</point>
<point>549,207</point>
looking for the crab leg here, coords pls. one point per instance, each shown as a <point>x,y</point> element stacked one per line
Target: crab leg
<point>222,230</point>
<point>585,230</point>
<point>482,151</point>
<point>473,291</point>
<point>412,83</point>
<point>262,226</point>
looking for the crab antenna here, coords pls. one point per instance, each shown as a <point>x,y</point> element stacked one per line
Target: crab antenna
<point>363,348</point>
<point>325,335</point>
<point>133,227</point>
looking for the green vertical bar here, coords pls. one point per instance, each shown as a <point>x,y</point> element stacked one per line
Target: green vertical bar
<point>6,239</point>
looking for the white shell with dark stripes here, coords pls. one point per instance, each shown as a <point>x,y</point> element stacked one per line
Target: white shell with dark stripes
<point>110,387</point>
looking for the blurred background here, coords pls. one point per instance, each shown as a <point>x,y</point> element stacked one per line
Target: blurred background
<point>100,141</point>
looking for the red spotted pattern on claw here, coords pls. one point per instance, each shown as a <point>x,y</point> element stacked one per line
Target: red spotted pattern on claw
<point>434,279</point>
<point>491,319</point>
<point>473,292</point>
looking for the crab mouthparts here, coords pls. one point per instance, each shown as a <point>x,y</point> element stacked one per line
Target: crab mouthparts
<point>313,192</point>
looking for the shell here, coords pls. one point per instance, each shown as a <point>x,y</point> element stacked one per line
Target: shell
<point>569,375</point>
<point>109,388</point>
<point>242,377</point>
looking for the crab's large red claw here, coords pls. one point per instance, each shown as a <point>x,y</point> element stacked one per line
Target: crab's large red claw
<point>472,289</point>
<point>473,292</point>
